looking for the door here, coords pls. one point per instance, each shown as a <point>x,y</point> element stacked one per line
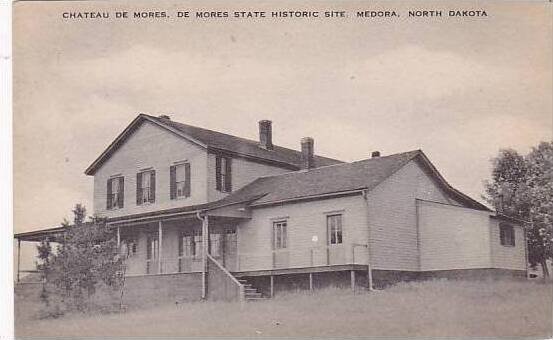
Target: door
<point>335,250</point>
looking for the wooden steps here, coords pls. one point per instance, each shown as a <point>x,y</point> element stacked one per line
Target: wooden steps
<point>251,293</point>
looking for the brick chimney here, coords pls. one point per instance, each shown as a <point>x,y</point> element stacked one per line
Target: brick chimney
<point>307,152</point>
<point>375,154</point>
<point>265,134</point>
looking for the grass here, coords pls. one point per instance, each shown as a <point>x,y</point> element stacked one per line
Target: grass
<point>432,308</point>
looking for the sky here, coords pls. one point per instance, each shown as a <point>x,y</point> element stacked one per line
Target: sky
<point>460,89</point>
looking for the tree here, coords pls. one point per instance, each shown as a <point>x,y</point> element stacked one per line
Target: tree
<point>539,193</point>
<point>87,256</point>
<point>522,188</point>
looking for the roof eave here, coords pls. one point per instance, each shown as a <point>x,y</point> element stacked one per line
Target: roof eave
<point>117,142</point>
<point>450,189</point>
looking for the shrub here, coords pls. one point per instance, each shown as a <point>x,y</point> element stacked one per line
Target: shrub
<point>86,259</point>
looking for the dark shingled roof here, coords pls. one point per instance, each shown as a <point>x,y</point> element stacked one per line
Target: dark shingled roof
<point>335,179</point>
<point>365,174</point>
<point>216,141</point>
<point>223,141</point>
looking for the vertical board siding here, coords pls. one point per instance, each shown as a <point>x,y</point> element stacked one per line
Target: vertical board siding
<point>243,172</point>
<point>453,237</point>
<point>305,220</point>
<point>507,257</point>
<point>151,146</point>
<point>393,217</point>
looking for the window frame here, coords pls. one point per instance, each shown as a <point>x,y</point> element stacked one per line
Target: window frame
<point>195,247</point>
<point>507,235</point>
<point>279,235</point>
<point>183,182</point>
<point>152,247</point>
<point>114,199</point>
<point>338,232</point>
<point>150,172</point>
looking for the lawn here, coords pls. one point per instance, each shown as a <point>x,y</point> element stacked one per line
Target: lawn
<point>433,308</point>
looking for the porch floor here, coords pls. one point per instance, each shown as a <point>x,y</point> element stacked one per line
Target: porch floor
<point>301,270</point>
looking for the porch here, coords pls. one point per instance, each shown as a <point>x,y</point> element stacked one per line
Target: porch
<point>172,246</point>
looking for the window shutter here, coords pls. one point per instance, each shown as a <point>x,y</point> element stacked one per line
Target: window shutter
<point>139,188</point>
<point>228,177</point>
<point>187,182</point>
<point>181,245</point>
<point>108,201</point>
<point>173,182</point>
<point>152,186</point>
<point>121,193</point>
<point>218,172</point>
<point>273,239</point>
<point>284,233</point>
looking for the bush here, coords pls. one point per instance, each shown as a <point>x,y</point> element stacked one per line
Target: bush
<point>86,259</point>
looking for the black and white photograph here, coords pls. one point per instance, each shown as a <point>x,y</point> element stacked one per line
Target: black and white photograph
<point>303,169</point>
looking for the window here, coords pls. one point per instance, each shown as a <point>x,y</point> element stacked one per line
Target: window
<point>129,247</point>
<point>115,193</point>
<point>223,176</point>
<point>280,235</point>
<point>334,227</point>
<point>190,244</point>
<point>145,187</point>
<point>180,180</point>
<point>152,247</point>
<point>506,235</point>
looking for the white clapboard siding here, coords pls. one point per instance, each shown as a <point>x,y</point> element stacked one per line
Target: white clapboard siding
<point>243,172</point>
<point>508,257</point>
<point>393,219</point>
<point>305,220</point>
<point>155,147</point>
<point>453,237</point>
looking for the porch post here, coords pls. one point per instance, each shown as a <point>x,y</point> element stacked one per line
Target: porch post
<point>18,257</point>
<point>272,286</point>
<point>370,276</point>
<point>118,237</point>
<point>311,281</point>
<point>160,250</point>
<point>352,280</point>
<point>205,231</point>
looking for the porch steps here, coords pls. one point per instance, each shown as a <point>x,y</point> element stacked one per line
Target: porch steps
<point>251,293</point>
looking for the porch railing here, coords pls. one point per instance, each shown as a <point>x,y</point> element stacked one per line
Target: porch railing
<point>341,254</point>
<point>305,257</point>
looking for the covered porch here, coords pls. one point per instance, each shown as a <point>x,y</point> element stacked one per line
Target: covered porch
<point>177,244</point>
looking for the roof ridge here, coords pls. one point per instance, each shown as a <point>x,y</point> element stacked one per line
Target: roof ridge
<point>253,141</point>
<point>417,151</point>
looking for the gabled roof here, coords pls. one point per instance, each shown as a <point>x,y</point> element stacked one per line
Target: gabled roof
<point>339,179</point>
<point>215,141</point>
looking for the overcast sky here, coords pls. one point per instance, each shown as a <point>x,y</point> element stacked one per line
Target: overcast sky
<point>459,89</point>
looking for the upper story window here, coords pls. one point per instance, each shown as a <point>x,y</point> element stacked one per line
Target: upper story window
<point>115,193</point>
<point>334,228</point>
<point>506,235</point>
<point>180,180</point>
<point>223,176</point>
<point>145,187</point>
<point>280,235</point>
